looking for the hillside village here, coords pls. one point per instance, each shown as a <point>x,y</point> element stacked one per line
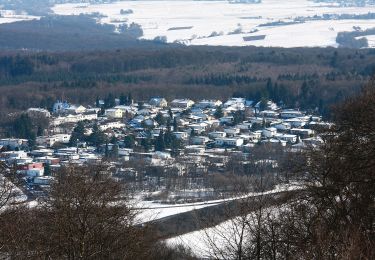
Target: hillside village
<point>159,145</point>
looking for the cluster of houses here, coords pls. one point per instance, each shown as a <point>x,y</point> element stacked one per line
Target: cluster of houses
<point>206,130</point>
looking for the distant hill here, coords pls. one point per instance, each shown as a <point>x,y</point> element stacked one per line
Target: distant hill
<point>42,7</point>
<point>65,33</point>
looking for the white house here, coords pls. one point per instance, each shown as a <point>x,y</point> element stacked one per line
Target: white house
<point>209,103</point>
<point>199,140</point>
<point>13,143</point>
<point>269,132</point>
<point>180,135</point>
<point>304,133</point>
<point>244,126</point>
<point>111,125</point>
<point>37,112</point>
<point>214,135</point>
<point>43,180</point>
<point>269,113</point>
<point>290,113</point>
<point>297,122</point>
<point>182,103</point>
<point>114,113</point>
<point>198,128</point>
<point>235,102</point>
<point>158,102</point>
<point>229,142</point>
<point>282,126</point>
<point>49,141</point>
<point>226,120</point>
<point>287,137</point>
<point>74,118</point>
<point>75,109</point>
<point>232,131</point>
<point>19,157</point>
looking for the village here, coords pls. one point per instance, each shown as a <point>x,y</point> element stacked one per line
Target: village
<point>182,147</point>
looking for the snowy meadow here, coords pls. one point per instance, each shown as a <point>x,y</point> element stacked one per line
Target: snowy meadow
<point>269,23</point>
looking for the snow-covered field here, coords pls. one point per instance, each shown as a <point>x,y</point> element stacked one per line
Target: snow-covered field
<point>149,210</point>
<point>192,22</point>
<point>223,237</point>
<point>8,16</point>
<point>371,41</point>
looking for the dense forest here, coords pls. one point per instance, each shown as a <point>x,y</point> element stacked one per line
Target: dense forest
<point>65,33</point>
<point>309,78</point>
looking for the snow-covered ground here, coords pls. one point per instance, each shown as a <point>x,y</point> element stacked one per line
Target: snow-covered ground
<point>10,193</point>
<point>192,22</point>
<point>8,16</point>
<point>371,41</point>
<point>149,210</point>
<point>223,238</point>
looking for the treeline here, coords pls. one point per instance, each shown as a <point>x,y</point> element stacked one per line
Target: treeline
<point>63,33</point>
<point>32,79</point>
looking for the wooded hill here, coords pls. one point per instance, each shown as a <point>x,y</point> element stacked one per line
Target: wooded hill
<point>311,78</point>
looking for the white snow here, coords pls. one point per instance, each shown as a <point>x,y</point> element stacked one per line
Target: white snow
<point>153,211</point>
<point>158,17</point>
<point>371,41</point>
<point>149,210</point>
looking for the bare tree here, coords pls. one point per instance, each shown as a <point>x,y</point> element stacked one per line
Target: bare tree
<point>85,216</point>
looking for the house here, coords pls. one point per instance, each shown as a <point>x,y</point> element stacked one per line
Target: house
<point>198,128</point>
<point>60,107</point>
<point>158,102</point>
<point>274,141</point>
<point>244,126</point>
<point>214,135</point>
<point>253,137</point>
<point>199,140</point>
<point>132,110</point>
<point>49,141</point>
<point>269,105</point>
<point>269,113</point>
<point>195,149</point>
<point>144,112</point>
<point>297,122</point>
<point>290,113</point>
<point>229,142</point>
<point>48,160</point>
<point>182,103</point>
<point>32,169</point>
<point>209,104</point>
<point>269,132</point>
<point>238,103</point>
<point>43,180</point>
<point>13,143</point>
<point>232,131</point>
<point>114,113</point>
<point>282,126</point>
<point>111,125</point>
<point>150,122</point>
<point>38,112</point>
<point>41,152</point>
<point>287,137</point>
<point>180,135</point>
<point>74,118</point>
<point>303,133</point>
<point>226,120</point>
<point>75,110</point>
<point>17,157</point>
